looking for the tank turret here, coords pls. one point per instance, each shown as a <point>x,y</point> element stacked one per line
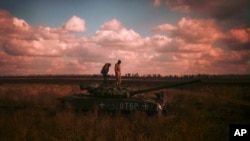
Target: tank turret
<point>122,91</point>
<point>106,90</point>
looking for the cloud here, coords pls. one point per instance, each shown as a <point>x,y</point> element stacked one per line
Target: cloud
<point>190,46</point>
<point>227,22</point>
<point>113,35</point>
<point>157,3</point>
<point>230,11</point>
<point>75,24</point>
<point>21,24</point>
<point>35,50</point>
<point>197,30</point>
<point>13,65</point>
<point>112,25</point>
<point>237,39</point>
<point>20,39</point>
<point>39,47</point>
<point>192,31</point>
<point>241,35</point>
<point>12,26</point>
<point>232,60</point>
<point>164,28</point>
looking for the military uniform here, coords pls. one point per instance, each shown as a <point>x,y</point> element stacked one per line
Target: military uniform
<point>118,73</point>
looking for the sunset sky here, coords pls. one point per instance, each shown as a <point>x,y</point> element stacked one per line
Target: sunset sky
<point>168,37</point>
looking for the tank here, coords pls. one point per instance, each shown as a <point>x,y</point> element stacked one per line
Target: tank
<point>112,98</point>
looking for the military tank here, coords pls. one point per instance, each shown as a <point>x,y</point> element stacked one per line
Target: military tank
<point>113,98</point>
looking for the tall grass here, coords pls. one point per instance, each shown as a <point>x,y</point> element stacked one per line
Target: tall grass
<point>31,112</point>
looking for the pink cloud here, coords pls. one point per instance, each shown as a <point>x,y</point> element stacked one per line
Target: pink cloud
<point>75,24</point>
<point>113,34</point>
<point>237,39</point>
<point>12,27</point>
<point>112,25</point>
<point>21,24</point>
<point>189,47</point>
<point>39,47</point>
<point>6,21</point>
<point>116,36</point>
<point>23,40</point>
<point>197,30</point>
<point>241,35</point>
<point>161,41</point>
<point>178,5</point>
<point>166,44</point>
<point>224,60</point>
<point>226,12</point>
<point>157,3</point>
<point>164,28</point>
<point>13,65</point>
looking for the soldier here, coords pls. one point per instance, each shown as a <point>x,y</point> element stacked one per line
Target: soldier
<point>118,73</point>
<point>104,72</point>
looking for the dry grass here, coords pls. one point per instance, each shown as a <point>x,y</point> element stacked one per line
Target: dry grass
<point>31,112</point>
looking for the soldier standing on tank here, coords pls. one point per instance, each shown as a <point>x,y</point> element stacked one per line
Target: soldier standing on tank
<point>104,72</point>
<point>118,73</point>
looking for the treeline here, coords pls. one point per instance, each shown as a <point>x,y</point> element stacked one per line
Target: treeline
<point>130,75</point>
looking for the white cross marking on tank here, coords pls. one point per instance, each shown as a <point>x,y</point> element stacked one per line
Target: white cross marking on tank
<point>145,105</point>
<point>101,105</point>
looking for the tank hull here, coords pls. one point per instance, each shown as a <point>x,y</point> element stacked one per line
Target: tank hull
<point>88,102</point>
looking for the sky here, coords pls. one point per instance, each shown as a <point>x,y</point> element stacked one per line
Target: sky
<point>167,37</point>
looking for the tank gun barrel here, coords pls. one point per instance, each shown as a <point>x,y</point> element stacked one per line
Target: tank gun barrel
<point>165,86</point>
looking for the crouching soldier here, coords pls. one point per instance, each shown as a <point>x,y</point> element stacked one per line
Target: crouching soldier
<point>104,72</point>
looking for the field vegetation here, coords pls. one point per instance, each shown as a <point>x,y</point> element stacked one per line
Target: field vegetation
<point>31,112</point>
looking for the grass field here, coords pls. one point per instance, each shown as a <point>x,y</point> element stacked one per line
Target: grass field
<point>31,112</point>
